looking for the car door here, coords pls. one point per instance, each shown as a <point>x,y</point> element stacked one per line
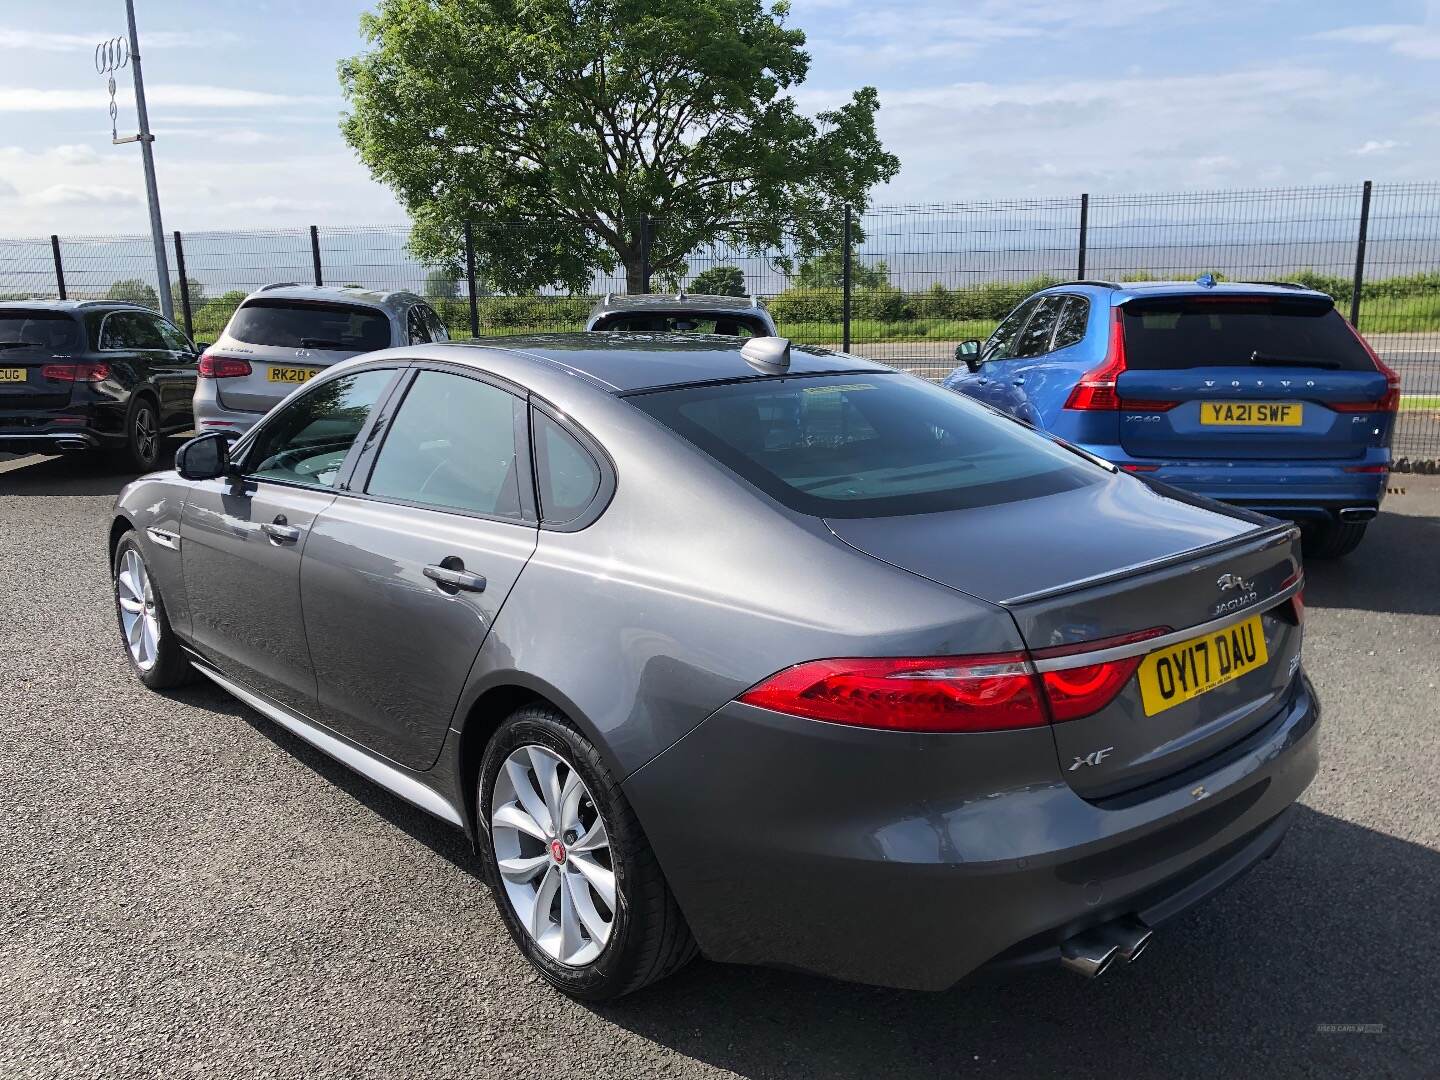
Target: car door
<point>173,373</point>
<point>989,383</point>
<point>405,573</point>
<point>242,537</point>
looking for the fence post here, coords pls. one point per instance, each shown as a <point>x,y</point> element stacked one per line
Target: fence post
<point>470,279</point>
<point>645,253</point>
<point>184,285</point>
<point>1084,233</point>
<point>315,254</point>
<point>846,283</point>
<point>59,267</point>
<point>1360,256</point>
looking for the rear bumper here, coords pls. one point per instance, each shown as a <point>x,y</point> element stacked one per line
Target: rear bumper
<point>212,415</point>
<point>1299,490</point>
<point>77,426</point>
<point>912,861</point>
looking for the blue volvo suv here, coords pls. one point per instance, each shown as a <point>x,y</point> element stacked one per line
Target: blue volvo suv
<point>1259,394</point>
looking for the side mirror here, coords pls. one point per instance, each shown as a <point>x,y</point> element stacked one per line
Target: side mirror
<point>968,353</point>
<point>205,457</point>
<point>203,345</point>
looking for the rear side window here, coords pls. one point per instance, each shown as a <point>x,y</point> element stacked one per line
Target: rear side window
<point>1034,340</point>
<point>297,325</point>
<point>43,333</point>
<point>567,475</point>
<point>1070,327</point>
<point>452,447</point>
<point>1178,333</point>
<point>867,446</point>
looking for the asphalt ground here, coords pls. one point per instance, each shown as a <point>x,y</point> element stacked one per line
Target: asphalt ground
<point>187,890</point>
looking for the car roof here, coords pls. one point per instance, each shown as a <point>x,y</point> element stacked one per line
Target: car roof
<point>73,307</point>
<point>687,302</point>
<point>1121,291</point>
<point>619,362</point>
<point>392,301</point>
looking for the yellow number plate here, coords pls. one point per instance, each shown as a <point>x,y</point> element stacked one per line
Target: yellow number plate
<point>12,374</point>
<point>291,374</point>
<point>1252,413</point>
<point>1180,672</point>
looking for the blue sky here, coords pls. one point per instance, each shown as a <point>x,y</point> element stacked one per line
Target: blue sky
<point>980,99</point>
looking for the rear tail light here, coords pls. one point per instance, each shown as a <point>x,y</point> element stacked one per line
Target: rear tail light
<point>1096,388</point>
<point>1391,401</point>
<point>1132,467</point>
<point>1298,603</point>
<point>1381,469</point>
<point>214,366</point>
<point>997,692</point>
<point>993,692</point>
<point>75,372</point>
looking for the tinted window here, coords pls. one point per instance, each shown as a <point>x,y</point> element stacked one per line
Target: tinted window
<point>290,324</point>
<point>415,323</point>
<point>653,323</point>
<point>998,347</point>
<point>1184,333</point>
<point>567,474</point>
<point>130,330</point>
<point>1034,340</point>
<point>867,446</point>
<point>437,328</point>
<point>452,446</point>
<point>306,441</point>
<point>1070,327</point>
<point>170,335</point>
<point>44,333</point>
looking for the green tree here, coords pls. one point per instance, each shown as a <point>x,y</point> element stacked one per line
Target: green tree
<point>134,291</point>
<point>197,294</point>
<point>556,126</point>
<point>827,271</point>
<point>719,281</point>
<point>442,283</point>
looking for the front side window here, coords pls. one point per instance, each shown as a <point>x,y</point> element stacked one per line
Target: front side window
<point>307,439</point>
<point>295,324</point>
<point>998,347</point>
<point>566,474</point>
<point>452,446</point>
<point>130,330</point>
<point>174,340</point>
<point>872,445</point>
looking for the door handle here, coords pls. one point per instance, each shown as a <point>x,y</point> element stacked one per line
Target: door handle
<point>454,578</point>
<point>279,531</point>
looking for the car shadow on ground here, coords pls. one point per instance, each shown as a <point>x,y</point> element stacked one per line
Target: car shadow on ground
<point>74,474</point>
<point>1396,569</point>
<point>1337,928</point>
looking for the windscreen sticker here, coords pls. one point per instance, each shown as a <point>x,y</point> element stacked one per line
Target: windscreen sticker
<point>841,389</point>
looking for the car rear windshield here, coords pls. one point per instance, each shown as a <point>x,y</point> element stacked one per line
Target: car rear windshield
<point>304,325</point>
<point>871,445</point>
<point>42,333</point>
<point>1180,332</point>
<point>668,323</point>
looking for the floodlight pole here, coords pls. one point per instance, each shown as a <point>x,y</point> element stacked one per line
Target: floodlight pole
<point>147,153</point>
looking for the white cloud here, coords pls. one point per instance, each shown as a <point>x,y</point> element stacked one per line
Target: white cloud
<point>42,41</point>
<point>168,95</point>
<point>76,154</point>
<point>1376,146</point>
<point>1413,40</point>
<point>91,195</point>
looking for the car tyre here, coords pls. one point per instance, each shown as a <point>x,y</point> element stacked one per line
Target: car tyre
<point>647,937</point>
<point>1332,541</point>
<point>150,645</point>
<point>142,435</point>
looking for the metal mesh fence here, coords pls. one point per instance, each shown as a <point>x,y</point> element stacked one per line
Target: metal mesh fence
<point>922,278</point>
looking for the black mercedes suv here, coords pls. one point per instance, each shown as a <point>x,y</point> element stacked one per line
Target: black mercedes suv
<point>92,375</point>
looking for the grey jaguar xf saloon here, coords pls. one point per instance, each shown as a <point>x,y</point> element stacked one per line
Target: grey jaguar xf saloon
<point>733,647</point>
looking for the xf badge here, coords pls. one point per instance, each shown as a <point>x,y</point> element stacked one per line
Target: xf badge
<point>1095,757</point>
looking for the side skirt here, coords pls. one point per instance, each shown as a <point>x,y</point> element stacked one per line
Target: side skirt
<point>367,765</point>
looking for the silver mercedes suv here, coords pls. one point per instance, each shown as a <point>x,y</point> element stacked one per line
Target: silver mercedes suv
<point>283,335</point>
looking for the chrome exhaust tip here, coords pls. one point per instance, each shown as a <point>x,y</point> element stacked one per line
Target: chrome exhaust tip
<point>71,446</point>
<point>1089,954</point>
<point>1352,515</point>
<point>1130,935</point>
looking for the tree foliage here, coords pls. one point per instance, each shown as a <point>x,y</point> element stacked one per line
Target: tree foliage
<point>442,283</point>
<point>134,291</point>
<point>197,293</point>
<point>827,271</point>
<point>556,126</point>
<point>719,281</point>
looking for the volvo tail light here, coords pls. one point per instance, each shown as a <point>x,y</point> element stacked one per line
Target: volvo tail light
<point>1096,389</point>
<point>215,366</point>
<point>1391,401</point>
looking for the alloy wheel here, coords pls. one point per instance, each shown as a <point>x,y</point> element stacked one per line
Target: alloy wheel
<point>139,616</point>
<point>553,853</point>
<point>145,435</point>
